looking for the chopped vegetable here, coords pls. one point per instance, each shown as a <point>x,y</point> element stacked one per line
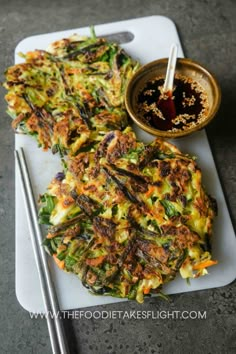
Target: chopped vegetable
<point>204,264</point>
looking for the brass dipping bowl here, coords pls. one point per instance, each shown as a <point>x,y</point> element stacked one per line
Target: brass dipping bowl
<point>185,67</point>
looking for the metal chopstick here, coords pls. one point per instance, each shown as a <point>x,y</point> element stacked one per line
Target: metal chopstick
<point>56,331</point>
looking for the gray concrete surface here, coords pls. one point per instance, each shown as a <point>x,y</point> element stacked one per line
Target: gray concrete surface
<point>208,33</point>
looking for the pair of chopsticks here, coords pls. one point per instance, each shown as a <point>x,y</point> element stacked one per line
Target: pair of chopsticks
<point>56,331</point>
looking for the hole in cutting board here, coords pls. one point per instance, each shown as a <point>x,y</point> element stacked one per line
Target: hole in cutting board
<point>119,37</point>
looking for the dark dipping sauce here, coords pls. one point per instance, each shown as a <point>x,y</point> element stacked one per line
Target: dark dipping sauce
<point>182,109</point>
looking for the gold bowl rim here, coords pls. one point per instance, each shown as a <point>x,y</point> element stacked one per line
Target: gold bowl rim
<point>145,69</point>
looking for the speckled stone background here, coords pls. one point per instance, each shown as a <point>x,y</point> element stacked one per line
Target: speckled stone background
<point>208,33</point>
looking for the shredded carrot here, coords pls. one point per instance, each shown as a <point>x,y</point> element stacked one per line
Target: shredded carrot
<point>73,71</point>
<point>79,86</point>
<point>33,55</point>
<point>150,191</point>
<point>60,264</point>
<point>67,202</point>
<point>146,291</point>
<point>204,264</point>
<point>49,235</point>
<point>95,261</point>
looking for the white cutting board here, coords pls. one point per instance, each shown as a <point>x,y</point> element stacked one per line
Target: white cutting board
<point>152,39</point>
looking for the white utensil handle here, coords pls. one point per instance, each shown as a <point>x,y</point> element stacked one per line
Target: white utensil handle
<point>168,84</point>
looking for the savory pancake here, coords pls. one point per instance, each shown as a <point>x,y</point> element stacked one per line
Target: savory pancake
<point>124,216</point>
<point>69,96</point>
<point>127,217</point>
